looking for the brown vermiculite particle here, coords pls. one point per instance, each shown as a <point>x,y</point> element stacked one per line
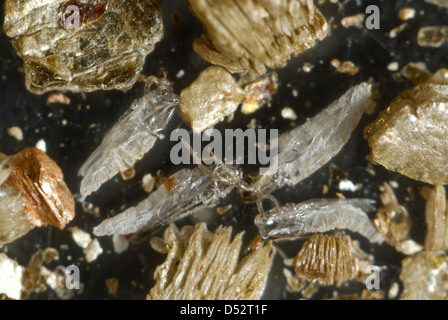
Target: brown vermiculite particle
<point>38,177</point>
<point>255,34</point>
<point>327,259</point>
<point>82,45</point>
<point>410,136</point>
<point>32,193</point>
<point>211,97</point>
<point>209,266</point>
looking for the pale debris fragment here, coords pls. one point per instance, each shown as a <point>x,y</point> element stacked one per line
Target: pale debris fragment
<point>409,137</point>
<point>14,221</point>
<point>41,145</point>
<point>396,31</point>
<point>58,98</point>
<point>318,216</point>
<point>406,13</point>
<point>288,113</point>
<point>80,237</point>
<point>347,67</point>
<point>327,259</point>
<point>33,280</point>
<point>16,133</point>
<point>211,97</point>
<point>120,243</point>
<point>93,250</point>
<point>209,267</point>
<point>393,66</point>
<point>57,281</point>
<point>436,220</point>
<point>193,190</point>
<point>259,93</point>
<point>132,136</point>
<point>434,36</point>
<point>394,223</point>
<point>253,35</point>
<point>148,183</point>
<point>424,277</point>
<point>11,275</point>
<point>356,21</point>
<point>441,3</point>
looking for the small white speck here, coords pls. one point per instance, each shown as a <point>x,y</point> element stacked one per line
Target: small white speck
<point>41,145</point>
<point>180,74</point>
<point>393,66</point>
<point>347,185</point>
<point>288,113</point>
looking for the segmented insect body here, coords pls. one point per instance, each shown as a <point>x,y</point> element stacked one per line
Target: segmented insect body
<point>132,136</point>
<point>194,190</point>
<point>318,216</point>
<point>306,148</point>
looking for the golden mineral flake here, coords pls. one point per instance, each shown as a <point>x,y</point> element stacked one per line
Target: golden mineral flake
<point>101,45</point>
<point>259,93</point>
<point>253,35</point>
<point>209,266</point>
<point>434,36</point>
<point>347,67</point>
<point>356,21</point>
<point>327,259</point>
<point>406,13</point>
<point>409,137</point>
<point>212,96</point>
<point>436,220</point>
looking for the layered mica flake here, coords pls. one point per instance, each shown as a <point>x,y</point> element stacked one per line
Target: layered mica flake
<point>410,136</point>
<point>82,46</point>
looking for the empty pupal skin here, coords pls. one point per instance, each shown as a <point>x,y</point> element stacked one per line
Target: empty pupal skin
<point>253,35</point>
<point>82,46</point>
<point>134,134</point>
<point>300,156</point>
<point>409,137</point>
<point>318,216</point>
<point>306,148</point>
<point>34,193</point>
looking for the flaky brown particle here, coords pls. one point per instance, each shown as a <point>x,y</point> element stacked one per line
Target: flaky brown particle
<point>327,259</point>
<point>48,199</point>
<point>32,193</point>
